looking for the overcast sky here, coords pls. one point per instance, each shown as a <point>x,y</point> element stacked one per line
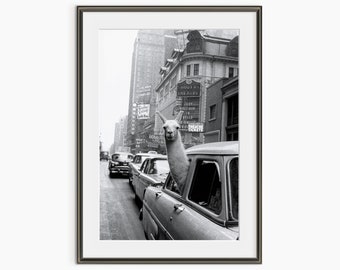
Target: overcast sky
<point>115,57</point>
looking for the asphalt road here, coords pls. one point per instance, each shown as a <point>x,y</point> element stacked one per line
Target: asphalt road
<point>118,210</point>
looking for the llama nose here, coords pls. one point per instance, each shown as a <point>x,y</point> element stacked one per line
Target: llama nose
<point>170,132</point>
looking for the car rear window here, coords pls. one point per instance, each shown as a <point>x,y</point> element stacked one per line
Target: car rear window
<point>160,167</point>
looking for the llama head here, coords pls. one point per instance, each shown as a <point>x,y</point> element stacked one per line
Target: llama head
<point>171,127</point>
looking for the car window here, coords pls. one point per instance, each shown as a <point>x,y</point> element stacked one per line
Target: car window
<point>115,156</point>
<point>125,157</point>
<point>233,182</point>
<point>171,185</point>
<point>206,186</point>
<point>145,163</point>
<point>137,159</point>
<point>159,166</point>
<point>147,166</point>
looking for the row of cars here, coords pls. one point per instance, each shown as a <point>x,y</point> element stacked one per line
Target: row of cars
<point>207,208</point>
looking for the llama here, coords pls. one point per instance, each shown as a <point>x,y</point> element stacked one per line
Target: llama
<point>177,158</point>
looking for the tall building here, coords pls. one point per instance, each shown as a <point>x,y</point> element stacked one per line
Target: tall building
<point>185,78</point>
<point>120,135</point>
<point>151,49</point>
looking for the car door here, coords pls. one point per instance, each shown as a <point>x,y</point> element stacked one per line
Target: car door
<point>135,170</point>
<point>145,178</point>
<point>138,185</point>
<point>158,206</point>
<point>200,212</point>
<point>203,201</point>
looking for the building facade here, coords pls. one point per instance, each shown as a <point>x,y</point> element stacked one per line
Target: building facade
<point>185,78</point>
<point>222,111</point>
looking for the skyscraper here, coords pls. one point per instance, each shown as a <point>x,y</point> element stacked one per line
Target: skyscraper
<point>151,49</point>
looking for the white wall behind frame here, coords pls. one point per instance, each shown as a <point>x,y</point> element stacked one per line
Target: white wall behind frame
<point>300,115</point>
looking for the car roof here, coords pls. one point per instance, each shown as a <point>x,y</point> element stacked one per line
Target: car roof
<point>148,155</point>
<point>217,148</point>
<point>157,157</point>
<point>122,153</point>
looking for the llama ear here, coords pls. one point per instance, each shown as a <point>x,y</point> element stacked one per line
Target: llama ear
<point>179,116</point>
<point>161,116</point>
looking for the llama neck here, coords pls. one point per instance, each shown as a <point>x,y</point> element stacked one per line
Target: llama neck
<point>178,161</point>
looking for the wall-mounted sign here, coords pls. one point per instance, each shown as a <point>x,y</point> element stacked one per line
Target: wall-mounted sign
<point>143,111</point>
<point>188,88</point>
<point>195,127</point>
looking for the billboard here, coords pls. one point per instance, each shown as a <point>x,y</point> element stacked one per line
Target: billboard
<point>143,111</point>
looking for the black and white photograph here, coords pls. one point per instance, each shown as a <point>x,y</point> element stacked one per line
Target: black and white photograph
<point>173,134</point>
<point>169,134</point>
<point>168,114</point>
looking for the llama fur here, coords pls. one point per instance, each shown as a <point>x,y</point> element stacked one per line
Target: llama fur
<point>177,158</point>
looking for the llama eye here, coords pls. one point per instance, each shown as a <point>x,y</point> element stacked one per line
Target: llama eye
<point>177,127</point>
<point>164,128</point>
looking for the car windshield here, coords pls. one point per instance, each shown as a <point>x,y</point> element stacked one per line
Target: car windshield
<point>233,172</point>
<point>125,157</point>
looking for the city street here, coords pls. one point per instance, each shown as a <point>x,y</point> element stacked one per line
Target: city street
<point>118,210</point>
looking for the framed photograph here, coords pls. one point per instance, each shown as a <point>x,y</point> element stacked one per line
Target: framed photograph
<point>169,134</point>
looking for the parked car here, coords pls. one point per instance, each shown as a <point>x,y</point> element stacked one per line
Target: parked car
<point>135,165</point>
<point>104,155</point>
<point>119,164</point>
<point>154,170</point>
<point>207,209</point>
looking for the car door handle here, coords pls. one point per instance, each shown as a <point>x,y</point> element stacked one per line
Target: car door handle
<point>179,207</point>
<point>158,194</point>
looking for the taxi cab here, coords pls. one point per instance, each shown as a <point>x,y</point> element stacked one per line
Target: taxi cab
<point>207,209</point>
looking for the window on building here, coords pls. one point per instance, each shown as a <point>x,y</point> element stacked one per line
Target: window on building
<point>231,72</point>
<point>232,119</point>
<point>212,112</point>
<point>196,69</point>
<point>188,70</point>
<point>205,193</point>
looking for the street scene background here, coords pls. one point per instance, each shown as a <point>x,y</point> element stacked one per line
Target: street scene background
<point>141,72</point>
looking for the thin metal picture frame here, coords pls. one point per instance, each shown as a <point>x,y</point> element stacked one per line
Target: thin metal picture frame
<point>80,11</point>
